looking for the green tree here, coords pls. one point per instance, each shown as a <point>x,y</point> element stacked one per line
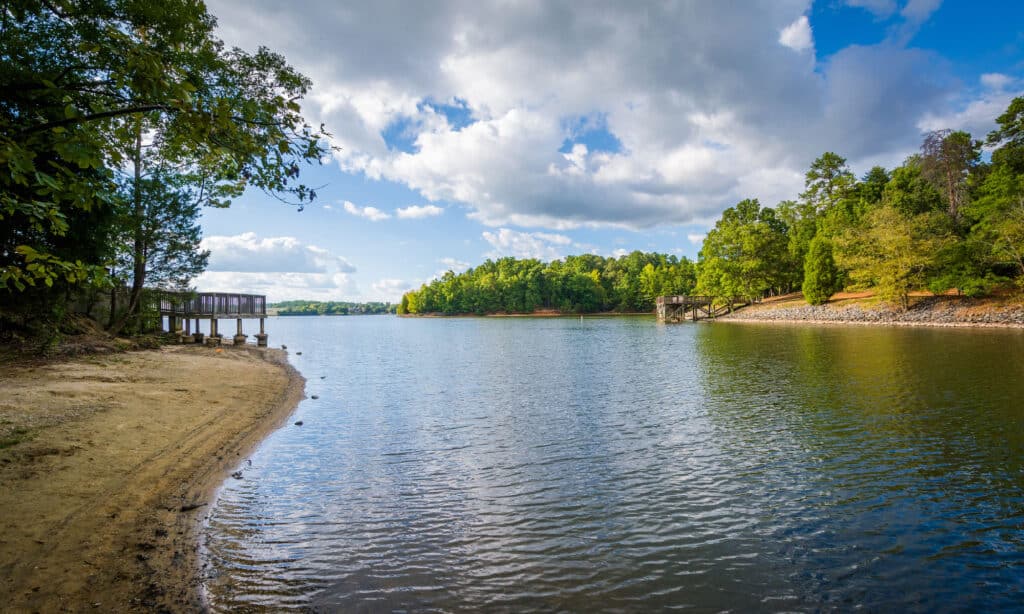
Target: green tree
<point>79,78</point>
<point>821,278</point>
<point>744,255</point>
<point>909,192</point>
<point>892,252</point>
<point>828,181</point>
<point>947,158</point>
<point>1008,138</point>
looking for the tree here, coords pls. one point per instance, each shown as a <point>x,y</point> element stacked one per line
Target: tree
<point>892,252</point>
<point>947,158</point>
<point>908,192</point>
<point>1008,138</point>
<point>828,181</point>
<point>744,255</point>
<point>821,278</point>
<point>872,186</point>
<point>999,215</point>
<point>78,81</point>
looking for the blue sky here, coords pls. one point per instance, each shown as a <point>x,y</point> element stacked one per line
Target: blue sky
<point>473,130</point>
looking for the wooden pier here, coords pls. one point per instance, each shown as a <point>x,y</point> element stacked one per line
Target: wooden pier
<point>181,310</point>
<point>682,307</point>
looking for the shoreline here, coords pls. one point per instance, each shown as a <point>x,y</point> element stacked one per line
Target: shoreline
<point>536,314</point>
<point>895,323</point>
<point>114,463</point>
<point>926,311</point>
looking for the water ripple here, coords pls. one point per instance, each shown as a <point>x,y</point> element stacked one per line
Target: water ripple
<point>619,465</point>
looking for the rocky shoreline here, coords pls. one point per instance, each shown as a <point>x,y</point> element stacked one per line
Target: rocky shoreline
<point>928,311</point>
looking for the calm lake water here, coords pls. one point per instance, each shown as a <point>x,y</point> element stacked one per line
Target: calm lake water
<point>621,465</point>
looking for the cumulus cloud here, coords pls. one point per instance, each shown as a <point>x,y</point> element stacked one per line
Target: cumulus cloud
<point>996,81</point>
<point>282,286</point>
<point>279,267</point>
<point>415,212</point>
<point>697,238</point>
<point>454,265</point>
<point>249,253</point>
<point>705,104</point>
<point>390,290</point>
<point>977,118</point>
<point>797,35</point>
<point>371,213</point>
<point>539,245</point>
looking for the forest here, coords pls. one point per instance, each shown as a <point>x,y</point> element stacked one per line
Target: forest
<point>330,308</point>
<point>949,219</point>
<point>577,284</point>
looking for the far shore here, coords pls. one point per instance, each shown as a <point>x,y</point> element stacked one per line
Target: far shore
<point>108,466</point>
<point>545,313</point>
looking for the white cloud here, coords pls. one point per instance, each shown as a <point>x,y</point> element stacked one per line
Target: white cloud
<point>371,213</point>
<point>282,286</point>
<point>415,212</point>
<point>390,290</point>
<point>539,245</point>
<point>996,81</point>
<point>706,105</point>
<point>454,265</point>
<point>280,267</point>
<point>697,238</point>
<point>619,253</point>
<point>977,118</point>
<point>247,252</point>
<point>797,35</point>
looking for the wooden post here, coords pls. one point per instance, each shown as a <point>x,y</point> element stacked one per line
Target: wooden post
<point>261,339</point>
<point>239,338</point>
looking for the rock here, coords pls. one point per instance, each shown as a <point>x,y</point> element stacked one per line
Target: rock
<point>298,353</point>
<point>314,397</point>
<point>298,423</point>
<point>237,475</point>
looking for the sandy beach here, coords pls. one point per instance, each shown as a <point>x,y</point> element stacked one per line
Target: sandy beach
<point>108,465</point>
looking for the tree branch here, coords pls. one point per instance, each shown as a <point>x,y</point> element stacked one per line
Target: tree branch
<point>94,117</point>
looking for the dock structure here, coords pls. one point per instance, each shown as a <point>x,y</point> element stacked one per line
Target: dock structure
<point>680,307</point>
<point>182,310</point>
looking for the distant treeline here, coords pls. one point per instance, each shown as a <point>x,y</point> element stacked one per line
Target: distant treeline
<point>945,220</point>
<point>577,284</point>
<point>330,308</point>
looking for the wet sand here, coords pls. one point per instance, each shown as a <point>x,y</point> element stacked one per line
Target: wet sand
<point>108,465</point>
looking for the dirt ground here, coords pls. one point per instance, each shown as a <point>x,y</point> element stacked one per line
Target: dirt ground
<point>108,464</point>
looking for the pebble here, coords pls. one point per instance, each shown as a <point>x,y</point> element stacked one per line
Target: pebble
<point>930,310</point>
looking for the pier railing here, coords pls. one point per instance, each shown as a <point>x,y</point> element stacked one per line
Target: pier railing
<point>215,304</point>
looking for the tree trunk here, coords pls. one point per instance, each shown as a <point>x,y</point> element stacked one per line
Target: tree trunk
<point>113,308</point>
<point>139,244</point>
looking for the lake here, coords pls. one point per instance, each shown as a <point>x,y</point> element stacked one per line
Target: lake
<point>618,464</point>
